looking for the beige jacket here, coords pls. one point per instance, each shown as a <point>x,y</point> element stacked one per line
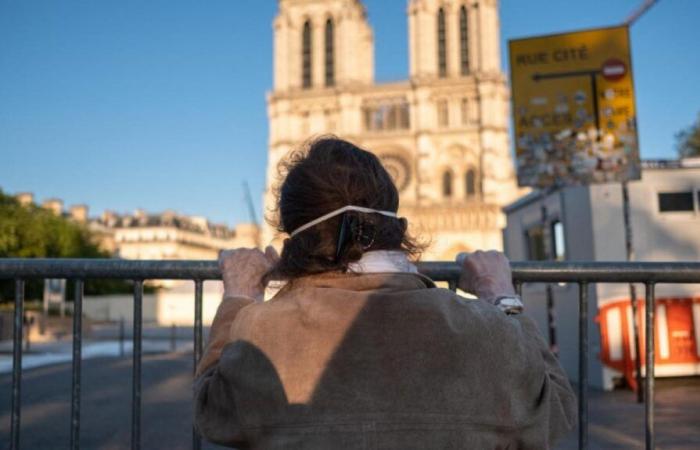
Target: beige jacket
<point>378,361</point>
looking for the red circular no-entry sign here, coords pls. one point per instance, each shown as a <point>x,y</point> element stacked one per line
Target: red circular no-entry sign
<point>613,69</point>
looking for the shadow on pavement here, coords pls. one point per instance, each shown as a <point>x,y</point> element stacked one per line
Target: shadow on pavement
<point>616,421</point>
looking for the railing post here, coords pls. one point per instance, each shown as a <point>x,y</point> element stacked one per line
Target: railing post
<point>77,355</point>
<point>198,339</point>
<point>136,371</point>
<point>121,336</point>
<point>198,347</point>
<point>518,288</point>
<point>27,331</point>
<point>583,366</point>
<point>17,365</point>
<point>633,291</point>
<point>173,337</point>
<point>649,311</point>
<point>452,285</point>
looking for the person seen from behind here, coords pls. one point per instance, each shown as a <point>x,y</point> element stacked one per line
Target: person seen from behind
<point>360,351</point>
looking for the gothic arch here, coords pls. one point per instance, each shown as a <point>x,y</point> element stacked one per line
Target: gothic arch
<point>470,182</point>
<point>306,54</point>
<point>458,156</point>
<point>329,54</point>
<point>441,43</point>
<point>464,40</point>
<point>447,179</point>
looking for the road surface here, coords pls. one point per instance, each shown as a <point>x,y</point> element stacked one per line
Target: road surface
<point>616,421</point>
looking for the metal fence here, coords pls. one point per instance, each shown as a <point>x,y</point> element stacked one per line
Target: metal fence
<point>78,270</point>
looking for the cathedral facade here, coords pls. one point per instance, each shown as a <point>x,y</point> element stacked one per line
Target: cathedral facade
<point>442,134</point>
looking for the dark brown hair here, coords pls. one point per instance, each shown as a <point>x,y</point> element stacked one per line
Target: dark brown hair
<point>327,174</point>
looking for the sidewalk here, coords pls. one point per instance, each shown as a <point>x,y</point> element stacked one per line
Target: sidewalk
<point>616,420</point>
<point>57,352</point>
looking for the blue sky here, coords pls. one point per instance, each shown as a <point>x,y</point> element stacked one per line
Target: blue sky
<point>161,104</point>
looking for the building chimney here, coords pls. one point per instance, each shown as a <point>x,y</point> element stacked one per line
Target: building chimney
<point>79,213</point>
<point>108,218</point>
<point>54,205</point>
<point>25,198</point>
<point>200,222</point>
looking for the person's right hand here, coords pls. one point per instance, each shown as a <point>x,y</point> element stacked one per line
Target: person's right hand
<point>242,270</point>
<point>485,274</point>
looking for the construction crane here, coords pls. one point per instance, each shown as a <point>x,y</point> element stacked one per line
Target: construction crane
<point>639,12</point>
<point>249,201</point>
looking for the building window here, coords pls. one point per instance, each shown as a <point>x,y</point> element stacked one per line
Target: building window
<point>442,44</point>
<point>447,184</point>
<point>676,202</point>
<point>404,117</point>
<point>393,118</point>
<point>305,123</point>
<point>464,111</point>
<point>330,63</point>
<point>536,241</point>
<point>558,241</point>
<point>534,237</point>
<point>329,119</point>
<point>442,113</point>
<point>306,55</point>
<point>387,116</point>
<point>470,183</point>
<point>367,113</point>
<point>463,41</point>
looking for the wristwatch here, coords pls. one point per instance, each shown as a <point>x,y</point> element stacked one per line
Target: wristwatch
<point>509,304</point>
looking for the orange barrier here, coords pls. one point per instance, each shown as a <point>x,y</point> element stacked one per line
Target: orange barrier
<point>677,337</point>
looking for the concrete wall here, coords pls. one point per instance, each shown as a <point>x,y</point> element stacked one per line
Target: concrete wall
<point>176,306</point>
<point>172,306</point>
<point>112,308</point>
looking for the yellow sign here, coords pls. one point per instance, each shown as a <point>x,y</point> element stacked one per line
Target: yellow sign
<point>573,108</point>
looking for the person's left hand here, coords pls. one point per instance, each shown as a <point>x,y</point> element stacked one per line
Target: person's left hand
<point>242,270</point>
<point>485,274</point>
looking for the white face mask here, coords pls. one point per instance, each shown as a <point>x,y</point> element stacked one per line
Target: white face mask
<point>340,211</point>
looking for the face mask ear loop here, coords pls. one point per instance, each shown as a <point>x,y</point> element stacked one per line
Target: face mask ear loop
<point>343,234</point>
<point>340,211</point>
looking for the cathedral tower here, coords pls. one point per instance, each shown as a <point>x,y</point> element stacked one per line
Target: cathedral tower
<point>442,133</point>
<point>309,38</point>
<point>453,38</point>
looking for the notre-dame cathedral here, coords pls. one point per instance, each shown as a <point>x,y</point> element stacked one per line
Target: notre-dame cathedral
<point>442,134</point>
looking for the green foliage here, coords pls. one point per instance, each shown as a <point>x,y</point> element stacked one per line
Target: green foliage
<point>33,232</point>
<point>688,140</point>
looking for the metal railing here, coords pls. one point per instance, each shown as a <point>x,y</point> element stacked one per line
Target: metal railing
<point>79,270</point>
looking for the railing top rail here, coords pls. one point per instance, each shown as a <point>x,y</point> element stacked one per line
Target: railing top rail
<point>529,271</point>
<point>593,272</point>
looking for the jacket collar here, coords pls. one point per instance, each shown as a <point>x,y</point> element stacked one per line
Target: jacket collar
<point>394,281</point>
<point>383,261</point>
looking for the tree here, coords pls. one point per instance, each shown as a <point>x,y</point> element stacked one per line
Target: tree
<point>688,140</point>
<point>28,231</point>
<point>33,232</point>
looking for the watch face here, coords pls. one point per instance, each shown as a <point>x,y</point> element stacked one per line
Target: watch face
<point>398,168</point>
